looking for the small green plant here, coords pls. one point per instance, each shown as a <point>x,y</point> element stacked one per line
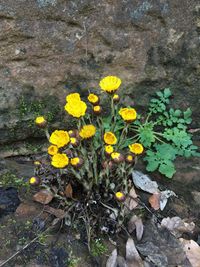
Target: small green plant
<point>10,179</point>
<point>164,134</point>
<point>98,248</point>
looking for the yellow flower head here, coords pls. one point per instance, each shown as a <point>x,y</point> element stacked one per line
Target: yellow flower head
<point>73,140</point>
<point>60,160</point>
<point>34,181</point>
<point>117,157</point>
<point>116,98</point>
<point>59,138</point>
<point>136,148</point>
<point>128,114</point>
<point>110,84</point>
<point>130,158</point>
<point>109,149</point>
<point>87,131</point>
<point>76,162</point>
<point>76,108</point>
<point>41,122</point>
<point>72,97</point>
<point>97,110</point>
<point>120,196</point>
<point>37,163</point>
<point>110,138</point>
<point>93,99</point>
<point>52,150</point>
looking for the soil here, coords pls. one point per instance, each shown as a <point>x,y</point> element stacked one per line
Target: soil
<point>21,219</point>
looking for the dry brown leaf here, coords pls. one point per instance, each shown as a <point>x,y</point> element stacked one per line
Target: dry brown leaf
<point>132,193</point>
<point>192,250</point>
<point>133,258</point>
<point>44,196</point>
<point>131,201</point>
<point>154,201</point>
<point>177,226</point>
<point>59,213</point>
<point>136,223</point>
<point>112,260</point>
<point>68,191</point>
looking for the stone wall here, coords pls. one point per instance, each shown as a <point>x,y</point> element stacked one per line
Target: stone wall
<point>49,48</point>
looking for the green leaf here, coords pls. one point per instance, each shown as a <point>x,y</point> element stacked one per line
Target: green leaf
<point>167,92</point>
<point>152,165</point>
<point>159,93</point>
<point>187,114</point>
<point>167,168</point>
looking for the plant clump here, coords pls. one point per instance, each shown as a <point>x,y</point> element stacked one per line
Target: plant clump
<point>88,168</point>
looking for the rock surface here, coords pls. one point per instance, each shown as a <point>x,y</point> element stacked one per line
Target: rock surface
<point>52,47</point>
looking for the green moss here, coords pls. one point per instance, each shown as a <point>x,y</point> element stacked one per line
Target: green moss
<point>10,179</point>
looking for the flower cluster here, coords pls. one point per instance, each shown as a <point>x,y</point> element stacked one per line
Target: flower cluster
<point>98,150</point>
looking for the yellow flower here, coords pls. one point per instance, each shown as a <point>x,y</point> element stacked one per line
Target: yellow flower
<point>110,84</point>
<point>76,162</point>
<point>128,114</point>
<point>117,157</point>
<point>109,149</point>
<point>34,181</point>
<point>116,98</point>
<point>110,138</point>
<point>52,150</point>
<point>37,163</point>
<point>74,141</point>
<point>72,97</point>
<point>120,196</point>
<point>136,148</point>
<point>130,158</point>
<point>94,99</point>
<point>97,110</point>
<point>59,138</point>
<point>76,108</point>
<point>41,122</point>
<point>87,131</point>
<point>60,160</point>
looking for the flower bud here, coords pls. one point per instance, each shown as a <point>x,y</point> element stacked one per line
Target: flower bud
<point>109,150</point>
<point>116,98</point>
<point>37,163</point>
<point>107,164</point>
<point>41,122</point>
<point>130,158</point>
<point>117,157</point>
<point>34,181</point>
<point>74,141</point>
<point>73,133</point>
<point>76,162</point>
<point>120,196</point>
<point>97,110</point>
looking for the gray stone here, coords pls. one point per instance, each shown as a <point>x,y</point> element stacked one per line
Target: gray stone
<point>53,47</point>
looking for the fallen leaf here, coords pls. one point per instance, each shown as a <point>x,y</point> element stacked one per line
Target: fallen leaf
<point>132,193</point>
<point>68,191</point>
<point>154,201</point>
<point>133,258</point>
<point>192,251</point>
<point>136,223</point>
<point>143,182</point>
<point>131,200</point>
<point>164,195</point>
<point>59,213</point>
<point>112,260</point>
<point>177,226</point>
<point>44,196</point>
<point>194,130</point>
